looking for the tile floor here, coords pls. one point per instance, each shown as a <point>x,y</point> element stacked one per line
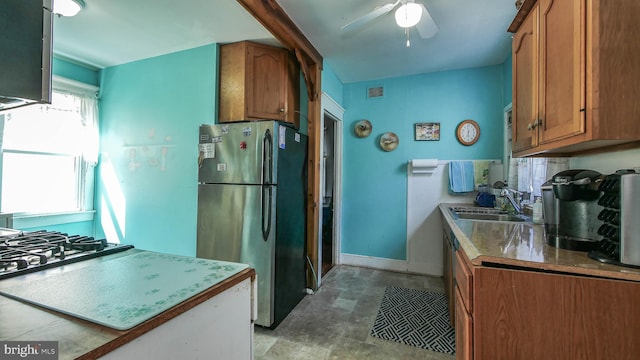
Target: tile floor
<point>335,322</point>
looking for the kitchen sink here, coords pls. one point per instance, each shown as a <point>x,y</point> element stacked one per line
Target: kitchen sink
<point>485,214</point>
<point>490,217</point>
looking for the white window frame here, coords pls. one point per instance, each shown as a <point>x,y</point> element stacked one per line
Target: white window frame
<point>85,177</point>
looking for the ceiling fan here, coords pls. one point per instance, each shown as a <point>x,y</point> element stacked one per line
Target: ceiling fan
<point>408,15</point>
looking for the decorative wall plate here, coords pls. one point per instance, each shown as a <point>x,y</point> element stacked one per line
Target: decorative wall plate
<point>389,141</point>
<point>363,128</point>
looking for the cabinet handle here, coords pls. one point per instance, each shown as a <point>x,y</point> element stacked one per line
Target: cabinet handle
<point>281,110</point>
<point>534,124</point>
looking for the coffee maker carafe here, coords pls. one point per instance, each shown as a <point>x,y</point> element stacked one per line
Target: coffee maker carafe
<point>570,209</point>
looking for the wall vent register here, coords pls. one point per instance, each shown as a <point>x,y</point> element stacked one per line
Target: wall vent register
<point>375,92</point>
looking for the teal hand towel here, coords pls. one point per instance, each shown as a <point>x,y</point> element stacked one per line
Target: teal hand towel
<point>461,177</point>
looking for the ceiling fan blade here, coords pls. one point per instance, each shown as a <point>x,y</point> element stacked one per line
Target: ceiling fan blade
<point>377,12</point>
<point>427,28</point>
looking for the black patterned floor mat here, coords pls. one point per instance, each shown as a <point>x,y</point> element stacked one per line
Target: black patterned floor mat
<point>415,317</point>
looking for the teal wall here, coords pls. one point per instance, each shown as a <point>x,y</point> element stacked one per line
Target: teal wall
<point>147,106</point>
<point>75,228</point>
<point>159,102</point>
<point>507,76</point>
<point>331,84</point>
<point>374,181</point>
<point>75,72</point>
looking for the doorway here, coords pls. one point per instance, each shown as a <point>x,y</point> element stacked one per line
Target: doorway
<point>328,192</point>
<point>330,186</point>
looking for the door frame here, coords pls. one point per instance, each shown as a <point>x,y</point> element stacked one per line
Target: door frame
<point>332,108</point>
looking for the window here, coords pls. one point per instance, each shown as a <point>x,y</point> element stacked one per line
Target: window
<point>528,174</point>
<point>48,155</point>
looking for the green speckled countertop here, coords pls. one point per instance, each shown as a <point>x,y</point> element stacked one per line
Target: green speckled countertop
<point>186,277</point>
<point>524,245</point>
<point>123,292</point>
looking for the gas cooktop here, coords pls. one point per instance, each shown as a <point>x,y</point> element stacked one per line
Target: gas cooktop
<point>25,252</point>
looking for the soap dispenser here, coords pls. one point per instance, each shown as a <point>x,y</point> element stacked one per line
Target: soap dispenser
<point>537,210</point>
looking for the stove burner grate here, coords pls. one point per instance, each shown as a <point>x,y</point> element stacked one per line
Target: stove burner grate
<point>33,251</point>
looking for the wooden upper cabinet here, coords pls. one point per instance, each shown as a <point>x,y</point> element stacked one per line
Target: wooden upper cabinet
<point>561,68</point>
<point>258,82</point>
<point>575,76</point>
<point>525,83</point>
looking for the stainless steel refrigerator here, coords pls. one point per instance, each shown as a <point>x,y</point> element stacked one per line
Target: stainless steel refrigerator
<point>251,207</point>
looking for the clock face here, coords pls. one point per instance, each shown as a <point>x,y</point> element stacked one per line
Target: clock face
<point>468,132</point>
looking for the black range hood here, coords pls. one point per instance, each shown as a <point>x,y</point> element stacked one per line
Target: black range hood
<point>25,52</point>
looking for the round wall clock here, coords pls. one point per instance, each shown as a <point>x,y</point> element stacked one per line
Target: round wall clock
<point>468,132</point>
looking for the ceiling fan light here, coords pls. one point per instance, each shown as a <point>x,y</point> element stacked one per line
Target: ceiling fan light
<point>408,15</point>
<point>67,7</point>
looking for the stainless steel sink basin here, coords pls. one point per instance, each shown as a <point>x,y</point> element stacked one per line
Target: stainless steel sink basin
<point>489,217</point>
<point>484,214</point>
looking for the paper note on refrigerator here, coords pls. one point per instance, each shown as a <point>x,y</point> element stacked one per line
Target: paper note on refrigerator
<point>282,131</point>
<point>207,151</point>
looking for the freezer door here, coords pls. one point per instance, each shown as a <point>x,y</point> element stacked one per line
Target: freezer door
<point>291,154</point>
<point>237,153</point>
<point>232,226</point>
<point>290,268</point>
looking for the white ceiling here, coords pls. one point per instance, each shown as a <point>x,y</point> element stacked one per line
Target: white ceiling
<point>113,32</point>
<point>471,33</point>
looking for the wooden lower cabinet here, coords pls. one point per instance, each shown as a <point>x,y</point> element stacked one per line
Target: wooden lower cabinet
<point>449,283</point>
<point>464,328</point>
<point>529,315</point>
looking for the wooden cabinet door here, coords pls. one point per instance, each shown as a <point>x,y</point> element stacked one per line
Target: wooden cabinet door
<point>561,68</point>
<point>448,275</point>
<point>530,315</point>
<point>266,83</point>
<point>525,83</point>
<point>464,330</point>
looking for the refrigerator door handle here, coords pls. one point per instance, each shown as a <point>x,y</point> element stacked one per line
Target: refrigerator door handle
<point>266,196</point>
<point>266,210</point>
<point>267,157</point>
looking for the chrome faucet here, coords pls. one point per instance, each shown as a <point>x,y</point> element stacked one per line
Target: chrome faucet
<point>506,192</point>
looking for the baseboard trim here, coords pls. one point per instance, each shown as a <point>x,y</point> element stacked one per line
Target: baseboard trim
<point>425,269</point>
<point>388,264</point>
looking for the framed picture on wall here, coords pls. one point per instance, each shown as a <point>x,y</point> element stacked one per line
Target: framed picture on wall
<point>427,132</point>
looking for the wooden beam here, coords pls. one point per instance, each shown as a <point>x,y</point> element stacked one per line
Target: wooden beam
<point>276,21</point>
<point>307,76</point>
<point>314,204</point>
<point>522,13</point>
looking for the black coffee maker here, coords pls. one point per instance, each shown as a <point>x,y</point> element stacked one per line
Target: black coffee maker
<point>570,209</point>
